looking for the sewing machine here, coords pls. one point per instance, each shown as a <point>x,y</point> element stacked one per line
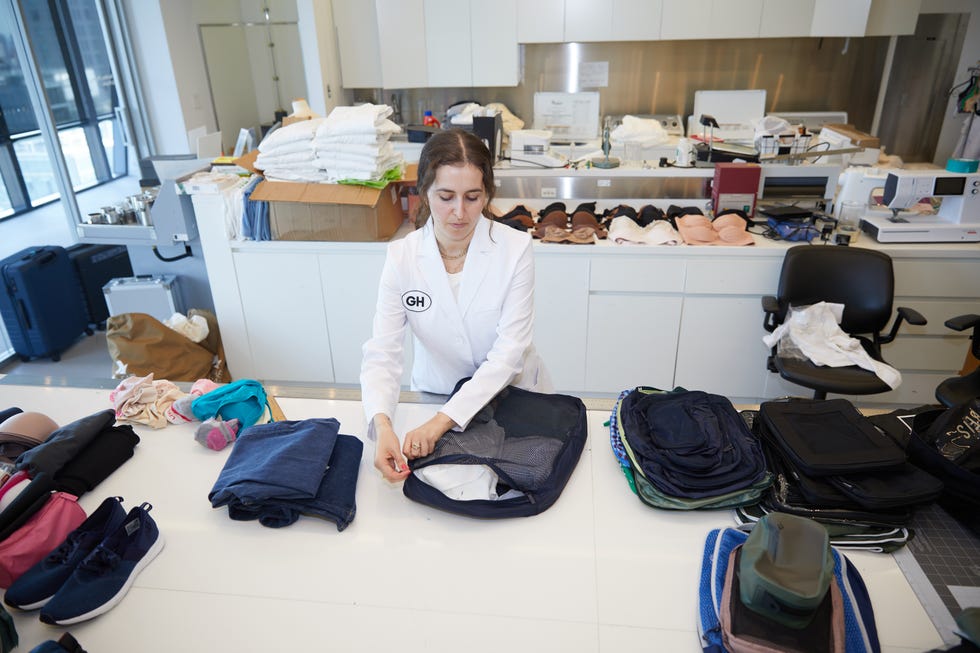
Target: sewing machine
<point>958,217</point>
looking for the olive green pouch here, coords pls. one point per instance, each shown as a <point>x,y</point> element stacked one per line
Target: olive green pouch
<point>785,568</point>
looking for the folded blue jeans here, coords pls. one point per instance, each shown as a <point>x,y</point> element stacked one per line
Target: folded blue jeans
<point>280,470</point>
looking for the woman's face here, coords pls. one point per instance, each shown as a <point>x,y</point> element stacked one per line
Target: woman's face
<point>456,199</point>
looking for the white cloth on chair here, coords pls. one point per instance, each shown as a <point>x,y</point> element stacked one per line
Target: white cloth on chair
<point>814,332</point>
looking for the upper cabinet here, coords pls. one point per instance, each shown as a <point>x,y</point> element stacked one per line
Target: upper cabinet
<point>711,19</point>
<point>493,39</point>
<point>541,21</point>
<point>785,18</point>
<point>427,43</point>
<point>356,23</point>
<point>566,21</point>
<point>636,20</point>
<point>840,17</point>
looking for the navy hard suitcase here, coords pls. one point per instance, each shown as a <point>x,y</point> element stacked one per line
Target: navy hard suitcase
<point>41,302</point>
<point>96,266</point>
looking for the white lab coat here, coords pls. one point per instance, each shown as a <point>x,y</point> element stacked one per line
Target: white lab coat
<point>486,335</point>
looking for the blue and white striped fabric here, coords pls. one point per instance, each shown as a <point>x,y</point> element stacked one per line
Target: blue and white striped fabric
<point>861,634</point>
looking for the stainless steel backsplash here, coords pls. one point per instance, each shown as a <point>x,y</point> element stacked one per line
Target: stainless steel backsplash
<point>798,74</point>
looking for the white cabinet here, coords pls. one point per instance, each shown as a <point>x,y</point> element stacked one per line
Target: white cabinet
<point>427,43</point>
<point>447,43</point>
<point>892,17</point>
<point>840,17</point>
<point>381,43</point>
<point>636,20</point>
<point>350,292</point>
<point>720,348</point>
<point>402,39</point>
<point>284,315</point>
<point>356,23</point>
<point>493,34</point>
<point>634,319</point>
<point>561,305</point>
<point>541,21</point>
<point>588,20</point>
<point>632,341</point>
<point>784,18</point>
<point>711,19</point>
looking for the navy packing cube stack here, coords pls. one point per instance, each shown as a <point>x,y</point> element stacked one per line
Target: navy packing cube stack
<point>96,266</point>
<point>41,303</point>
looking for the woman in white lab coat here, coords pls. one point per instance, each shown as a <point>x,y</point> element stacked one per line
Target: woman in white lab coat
<point>464,285</point>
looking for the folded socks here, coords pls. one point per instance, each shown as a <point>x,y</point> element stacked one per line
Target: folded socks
<point>217,434</point>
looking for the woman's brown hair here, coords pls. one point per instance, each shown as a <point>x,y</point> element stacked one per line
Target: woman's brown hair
<point>453,147</point>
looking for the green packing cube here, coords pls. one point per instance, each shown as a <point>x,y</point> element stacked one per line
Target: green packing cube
<point>785,569</point>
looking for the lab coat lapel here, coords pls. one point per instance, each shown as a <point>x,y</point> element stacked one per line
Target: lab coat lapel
<point>477,265</point>
<point>434,271</point>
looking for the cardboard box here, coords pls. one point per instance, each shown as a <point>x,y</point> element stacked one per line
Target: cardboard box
<point>330,212</point>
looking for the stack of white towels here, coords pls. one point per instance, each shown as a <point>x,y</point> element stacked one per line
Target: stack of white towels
<point>287,153</point>
<point>353,143</point>
<point>350,143</point>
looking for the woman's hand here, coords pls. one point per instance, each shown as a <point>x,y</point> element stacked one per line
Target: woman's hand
<point>387,454</point>
<point>420,442</point>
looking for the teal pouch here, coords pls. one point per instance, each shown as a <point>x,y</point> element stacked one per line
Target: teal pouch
<point>244,400</point>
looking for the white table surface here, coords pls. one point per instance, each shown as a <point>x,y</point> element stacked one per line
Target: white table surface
<point>599,571</point>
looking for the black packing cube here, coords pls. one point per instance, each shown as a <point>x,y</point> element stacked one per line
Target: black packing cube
<point>532,442</point>
<point>828,437</point>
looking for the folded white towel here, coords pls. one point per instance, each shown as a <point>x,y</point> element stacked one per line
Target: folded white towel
<point>646,132</point>
<point>354,150</point>
<point>298,131</point>
<point>355,120</point>
<point>345,132</point>
<point>290,174</point>
<point>263,161</point>
<point>288,148</point>
<point>359,170</point>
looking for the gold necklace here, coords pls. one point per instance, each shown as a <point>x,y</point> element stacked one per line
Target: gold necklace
<point>454,257</point>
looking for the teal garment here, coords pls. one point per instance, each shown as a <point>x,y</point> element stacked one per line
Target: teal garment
<point>243,400</point>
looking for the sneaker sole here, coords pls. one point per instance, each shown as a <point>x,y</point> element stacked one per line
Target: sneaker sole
<point>115,599</point>
<point>33,606</point>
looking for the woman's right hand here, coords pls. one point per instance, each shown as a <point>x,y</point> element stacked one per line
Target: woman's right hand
<point>388,457</point>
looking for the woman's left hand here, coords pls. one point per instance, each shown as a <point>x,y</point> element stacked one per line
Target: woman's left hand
<point>421,441</point>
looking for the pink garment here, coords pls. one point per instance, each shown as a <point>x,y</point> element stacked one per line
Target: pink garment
<point>143,400</point>
<point>39,536</point>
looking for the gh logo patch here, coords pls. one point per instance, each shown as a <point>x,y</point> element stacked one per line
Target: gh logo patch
<point>416,301</point>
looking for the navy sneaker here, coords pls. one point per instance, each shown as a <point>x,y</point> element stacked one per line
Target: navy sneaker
<point>104,577</point>
<point>37,585</point>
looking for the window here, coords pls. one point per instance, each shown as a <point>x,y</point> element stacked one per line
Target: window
<point>75,70</point>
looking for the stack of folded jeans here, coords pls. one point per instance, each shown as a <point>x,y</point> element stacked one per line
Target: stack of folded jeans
<point>280,470</point>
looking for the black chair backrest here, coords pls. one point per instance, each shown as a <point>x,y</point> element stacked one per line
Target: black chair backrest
<point>861,279</point>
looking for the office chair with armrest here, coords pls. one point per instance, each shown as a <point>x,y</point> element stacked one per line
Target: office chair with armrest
<point>961,389</point>
<point>864,282</point>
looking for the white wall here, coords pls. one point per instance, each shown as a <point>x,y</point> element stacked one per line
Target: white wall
<point>969,56</point>
<point>321,60</point>
<point>151,48</point>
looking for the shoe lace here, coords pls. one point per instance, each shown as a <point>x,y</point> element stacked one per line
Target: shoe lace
<point>64,550</point>
<point>100,561</point>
